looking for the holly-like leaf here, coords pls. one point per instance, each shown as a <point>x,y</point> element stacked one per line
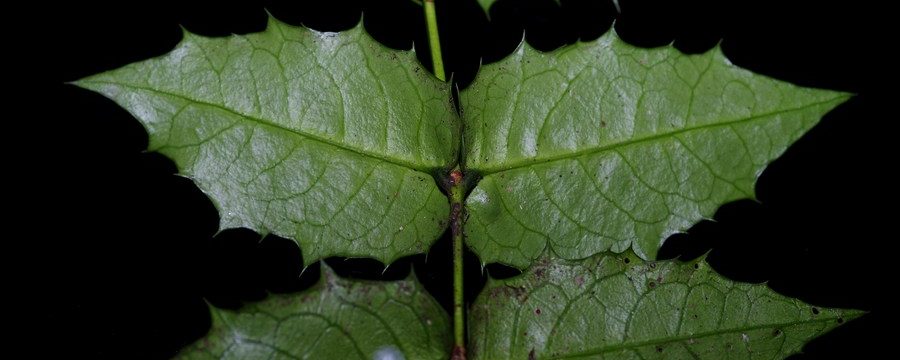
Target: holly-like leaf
<point>335,319</point>
<point>604,146</point>
<point>324,138</point>
<point>332,140</point>
<point>617,306</point>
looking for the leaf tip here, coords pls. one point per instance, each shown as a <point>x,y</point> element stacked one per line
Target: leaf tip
<point>839,98</point>
<point>76,83</point>
<point>308,260</point>
<point>185,33</point>
<point>522,44</point>
<point>851,314</point>
<point>269,15</point>
<point>844,96</point>
<point>89,83</point>
<point>272,21</point>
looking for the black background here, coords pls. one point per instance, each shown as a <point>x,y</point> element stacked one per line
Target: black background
<point>120,253</point>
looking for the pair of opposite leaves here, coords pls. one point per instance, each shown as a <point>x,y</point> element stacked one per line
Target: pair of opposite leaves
<point>590,156</point>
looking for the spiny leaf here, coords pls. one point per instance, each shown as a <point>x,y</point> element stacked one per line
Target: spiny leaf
<point>323,138</point>
<point>604,146</point>
<point>621,307</point>
<point>336,319</point>
<point>330,140</point>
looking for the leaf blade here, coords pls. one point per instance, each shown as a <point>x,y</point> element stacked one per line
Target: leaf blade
<point>657,138</point>
<point>324,138</point>
<point>336,319</point>
<point>605,307</point>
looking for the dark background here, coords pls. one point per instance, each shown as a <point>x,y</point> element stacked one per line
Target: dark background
<point>120,253</point>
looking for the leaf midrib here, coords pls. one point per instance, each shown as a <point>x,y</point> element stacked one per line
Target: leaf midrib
<point>526,162</point>
<point>310,136</point>
<point>671,339</point>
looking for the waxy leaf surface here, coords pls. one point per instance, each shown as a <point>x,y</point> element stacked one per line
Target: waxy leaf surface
<point>620,307</point>
<point>588,158</point>
<point>335,319</point>
<point>603,146</point>
<point>325,138</point>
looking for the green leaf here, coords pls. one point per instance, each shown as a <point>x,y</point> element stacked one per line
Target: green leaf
<point>604,146</point>
<point>335,319</point>
<point>325,138</point>
<point>332,140</point>
<point>620,307</point>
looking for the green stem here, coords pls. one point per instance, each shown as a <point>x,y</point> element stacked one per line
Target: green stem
<point>457,190</point>
<point>434,40</point>
<point>457,195</point>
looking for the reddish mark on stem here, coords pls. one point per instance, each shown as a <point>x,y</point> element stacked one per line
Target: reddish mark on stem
<point>455,225</point>
<point>456,177</point>
<point>459,353</point>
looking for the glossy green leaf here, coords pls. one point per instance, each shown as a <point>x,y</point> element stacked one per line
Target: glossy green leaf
<point>332,140</point>
<point>335,319</point>
<point>325,138</point>
<point>604,146</point>
<point>619,307</point>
